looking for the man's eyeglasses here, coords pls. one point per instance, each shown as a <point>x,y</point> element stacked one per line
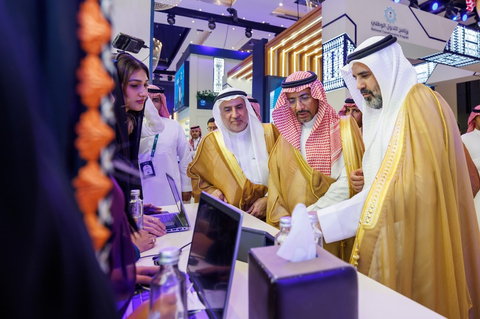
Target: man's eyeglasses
<point>303,99</point>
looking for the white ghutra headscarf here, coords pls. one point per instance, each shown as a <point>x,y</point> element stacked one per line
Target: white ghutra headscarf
<point>152,121</point>
<point>255,127</point>
<point>395,76</point>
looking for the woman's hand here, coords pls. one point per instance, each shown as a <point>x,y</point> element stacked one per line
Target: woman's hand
<point>154,226</point>
<point>145,274</point>
<point>143,240</point>
<point>150,209</point>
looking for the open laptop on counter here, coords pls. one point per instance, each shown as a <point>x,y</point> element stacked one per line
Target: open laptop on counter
<point>211,261</point>
<point>175,221</point>
<point>214,249</point>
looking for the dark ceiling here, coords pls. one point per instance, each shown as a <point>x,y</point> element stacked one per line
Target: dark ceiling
<point>172,38</point>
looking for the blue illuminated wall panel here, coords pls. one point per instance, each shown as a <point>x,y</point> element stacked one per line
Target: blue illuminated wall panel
<point>462,49</point>
<point>334,56</point>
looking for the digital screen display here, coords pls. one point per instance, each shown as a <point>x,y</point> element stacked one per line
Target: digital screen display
<point>180,88</point>
<point>213,253</point>
<point>273,100</point>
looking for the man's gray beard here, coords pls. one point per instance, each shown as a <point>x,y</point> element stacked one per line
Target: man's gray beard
<point>375,102</point>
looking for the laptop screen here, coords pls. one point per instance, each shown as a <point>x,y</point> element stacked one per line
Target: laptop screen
<point>215,242</point>
<point>178,200</point>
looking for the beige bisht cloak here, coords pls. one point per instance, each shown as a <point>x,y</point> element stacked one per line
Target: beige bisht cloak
<point>214,166</point>
<point>418,232</point>
<point>293,181</point>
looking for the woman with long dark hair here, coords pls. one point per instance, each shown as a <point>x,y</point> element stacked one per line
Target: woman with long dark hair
<point>130,95</point>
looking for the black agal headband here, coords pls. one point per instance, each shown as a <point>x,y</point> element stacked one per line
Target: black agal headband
<point>230,93</point>
<point>377,46</point>
<point>475,111</point>
<point>161,90</point>
<point>349,101</point>
<point>293,84</point>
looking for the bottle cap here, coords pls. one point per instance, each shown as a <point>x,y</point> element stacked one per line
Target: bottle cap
<point>286,221</point>
<point>313,217</point>
<point>169,256</point>
<point>135,192</point>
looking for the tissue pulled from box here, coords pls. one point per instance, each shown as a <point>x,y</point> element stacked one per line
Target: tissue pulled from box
<point>300,242</point>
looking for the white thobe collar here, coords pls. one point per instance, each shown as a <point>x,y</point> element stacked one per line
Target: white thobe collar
<point>195,143</point>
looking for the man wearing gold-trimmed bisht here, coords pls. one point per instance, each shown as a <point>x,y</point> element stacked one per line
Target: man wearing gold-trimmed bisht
<point>418,232</point>
<point>311,161</point>
<point>231,162</point>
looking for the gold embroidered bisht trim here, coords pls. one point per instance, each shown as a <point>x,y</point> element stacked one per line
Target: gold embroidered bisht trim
<point>214,166</point>
<point>418,232</point>
<point>293,181</point>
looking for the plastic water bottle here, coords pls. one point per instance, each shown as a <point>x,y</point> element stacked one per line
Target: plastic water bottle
<point>136,207</point>
<point>285,226</point>
<point>168,291</point>
<point>316,231</point>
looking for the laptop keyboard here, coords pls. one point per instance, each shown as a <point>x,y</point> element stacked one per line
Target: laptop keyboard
<point>167,218</point>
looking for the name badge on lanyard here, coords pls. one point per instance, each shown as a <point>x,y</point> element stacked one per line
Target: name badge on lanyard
<point>147,167</point>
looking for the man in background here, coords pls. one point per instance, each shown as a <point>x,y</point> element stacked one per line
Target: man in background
<point>211,126</point>
<point>195,138</point>
<point>157,95</point>
<point>350,108</point>
<point>256,107</point>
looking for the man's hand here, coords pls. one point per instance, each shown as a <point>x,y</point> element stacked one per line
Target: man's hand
<point>154,226</point>
<point>186,196</point>
<point>218,194</point>
<point>356,180</point>
<point>258,208</point>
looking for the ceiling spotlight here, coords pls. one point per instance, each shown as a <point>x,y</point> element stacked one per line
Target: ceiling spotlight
<point>414,4</point>
<point>233,13</point>
<point>396,1</point>
<point>171,19</point>
<point>477,21</point>
<point>464,15</point>
<point>248,32</point>
<point>211,24</point>
<point>435,6</point>
<point>451,12</point>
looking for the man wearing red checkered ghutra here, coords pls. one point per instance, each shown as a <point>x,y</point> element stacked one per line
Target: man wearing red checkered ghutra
<point>312,160</point>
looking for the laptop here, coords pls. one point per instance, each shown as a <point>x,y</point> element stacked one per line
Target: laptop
<point>252,238</point>
<point>211,262</point>
<point>175,221</point>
